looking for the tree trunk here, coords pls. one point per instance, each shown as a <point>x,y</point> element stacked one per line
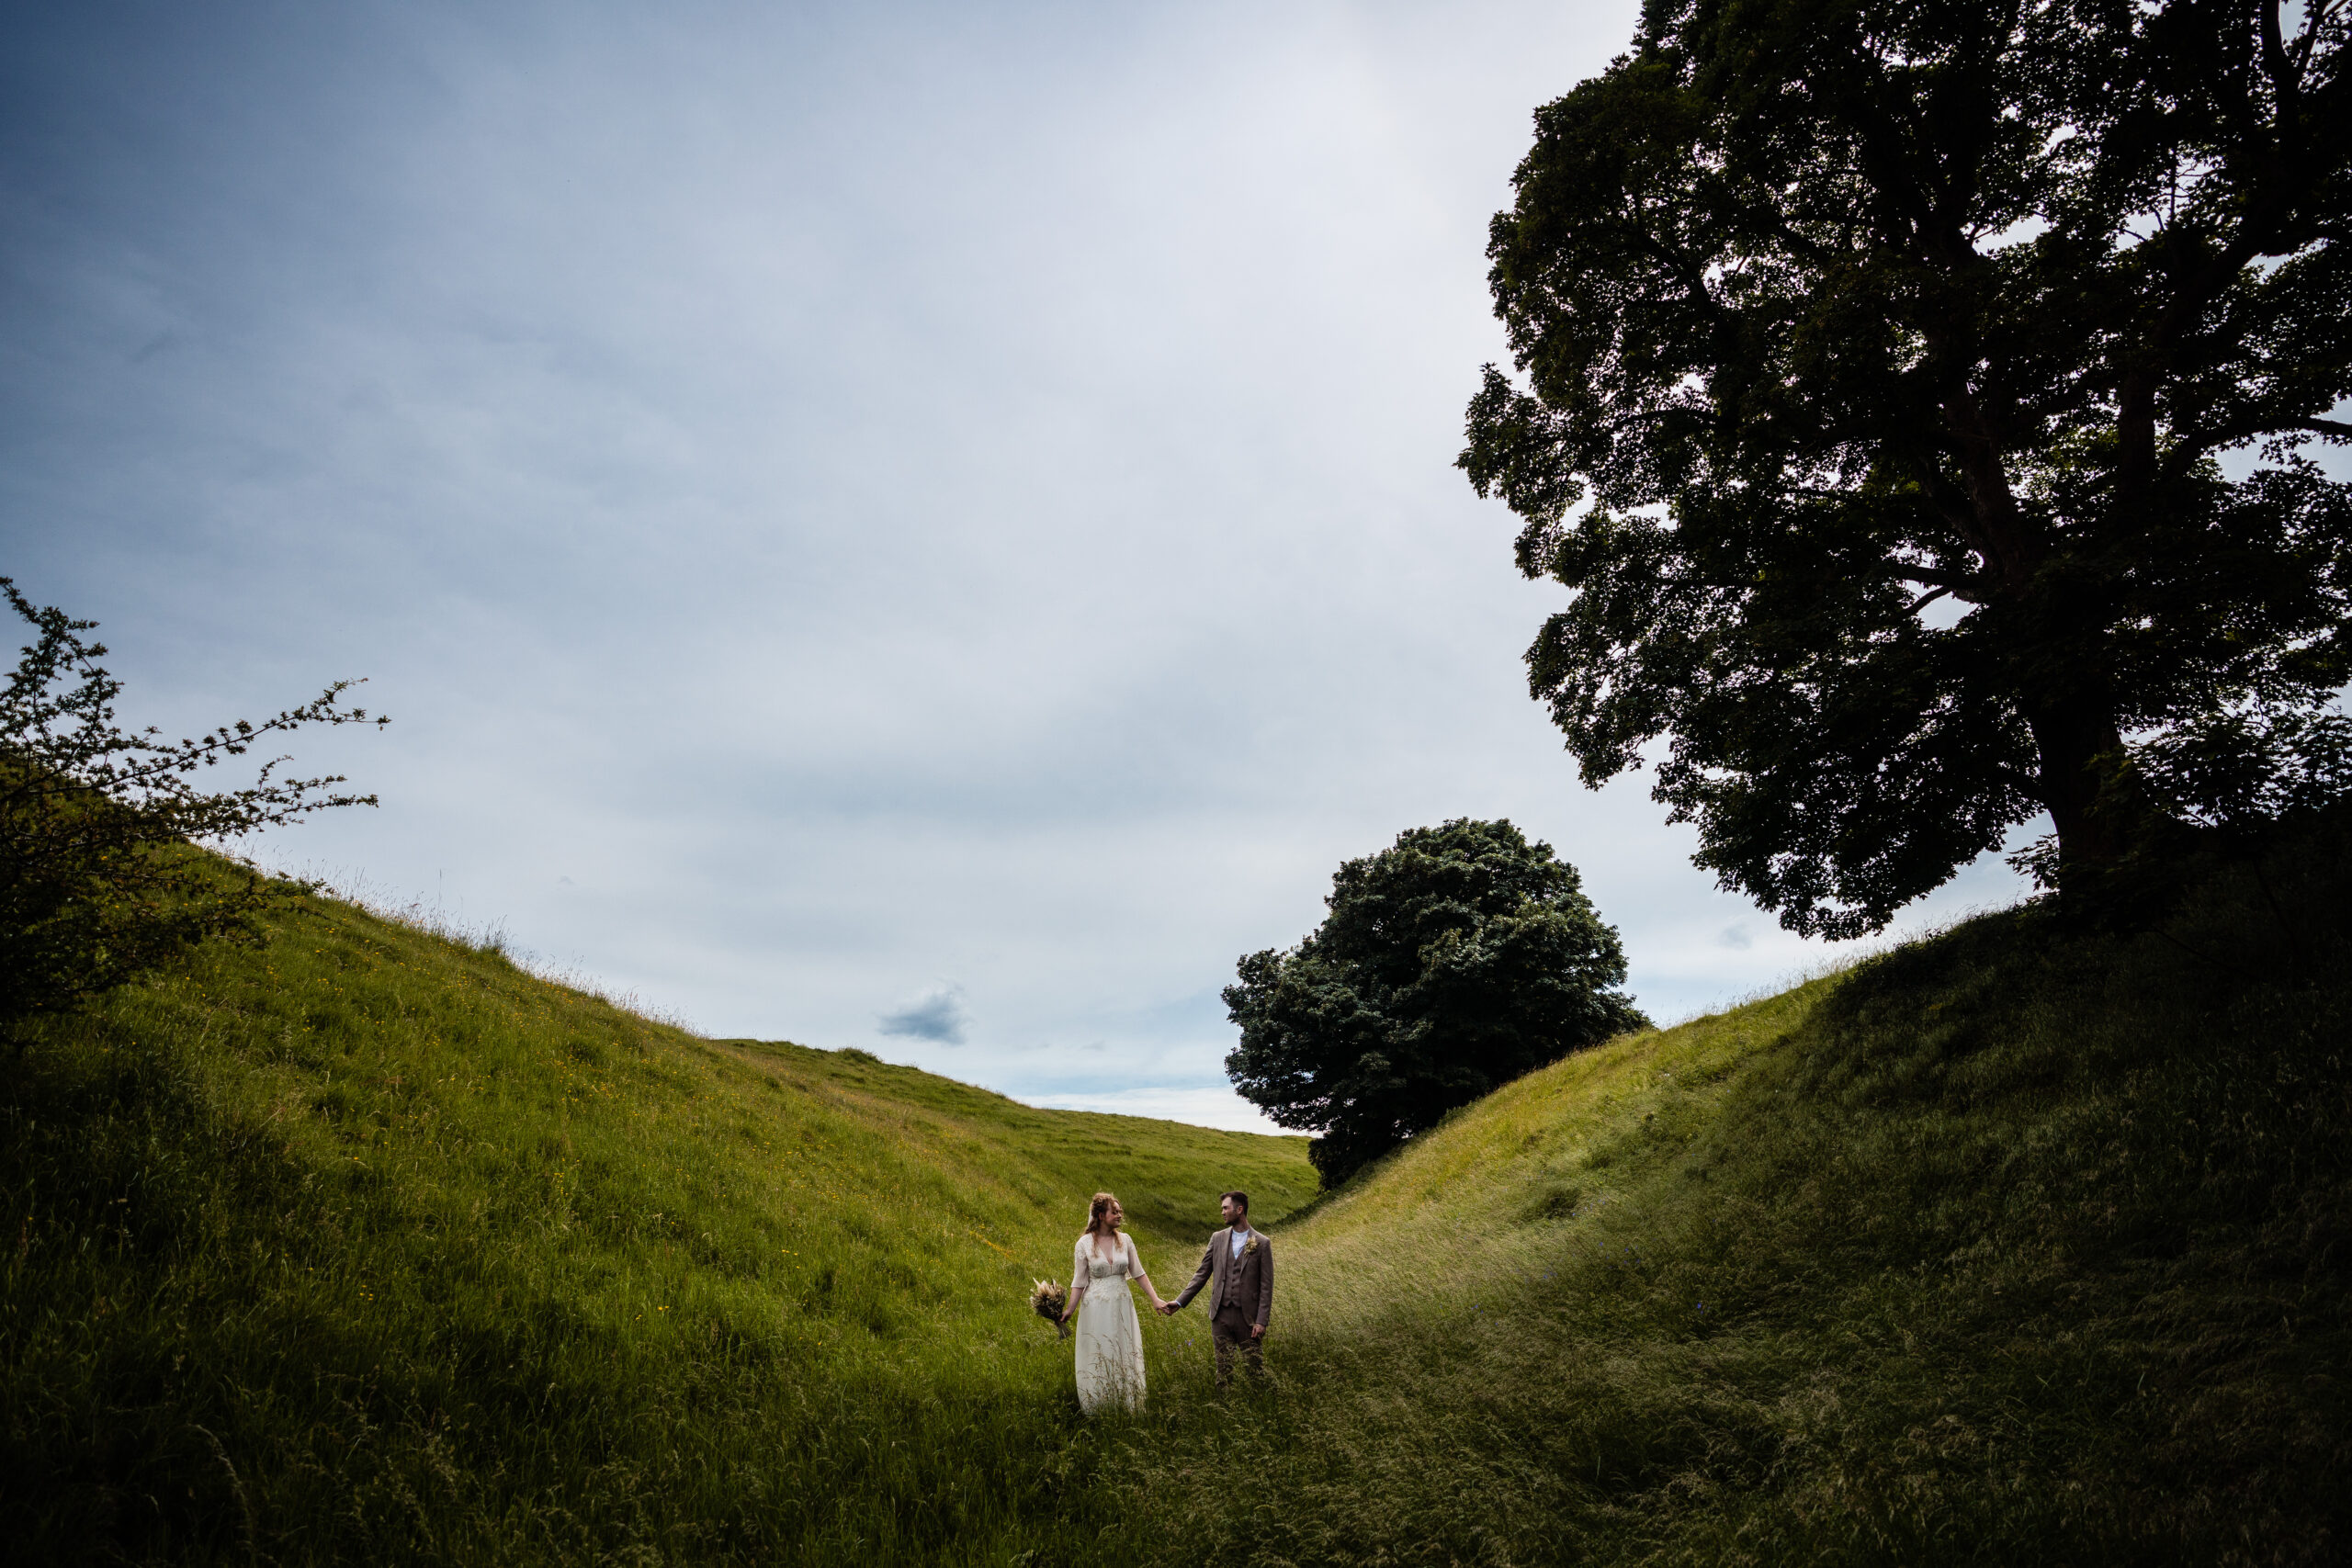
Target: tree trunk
<point>2071,736</point>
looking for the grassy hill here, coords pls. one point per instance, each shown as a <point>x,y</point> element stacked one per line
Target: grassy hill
<point>368,1246</point>
<point>2020,1245</point>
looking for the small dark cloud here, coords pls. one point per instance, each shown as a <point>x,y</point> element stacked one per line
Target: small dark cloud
<point>936,1015</point>
<point>1736,938</point>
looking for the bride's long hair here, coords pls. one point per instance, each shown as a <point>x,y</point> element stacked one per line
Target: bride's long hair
<point>1094,1225</point>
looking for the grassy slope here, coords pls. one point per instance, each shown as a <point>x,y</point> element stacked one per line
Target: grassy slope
<point>368,1246</point>
<point>2015,1246</point>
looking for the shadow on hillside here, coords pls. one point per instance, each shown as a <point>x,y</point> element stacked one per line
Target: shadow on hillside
<point>2030,1242</point>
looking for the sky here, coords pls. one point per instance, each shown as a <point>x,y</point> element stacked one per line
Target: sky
<point>927,529</point>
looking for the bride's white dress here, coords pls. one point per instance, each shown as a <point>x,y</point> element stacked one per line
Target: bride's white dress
<point>1110,1336</point>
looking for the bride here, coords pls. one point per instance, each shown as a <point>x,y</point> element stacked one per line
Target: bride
<point>1110,1338</point>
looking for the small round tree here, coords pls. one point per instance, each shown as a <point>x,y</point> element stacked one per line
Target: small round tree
<point>1450,964</point>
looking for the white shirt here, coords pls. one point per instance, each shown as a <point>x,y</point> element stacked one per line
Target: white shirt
<point>1241,1237</point>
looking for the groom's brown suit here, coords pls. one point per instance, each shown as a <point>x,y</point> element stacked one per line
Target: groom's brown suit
<point>1241,1296</point>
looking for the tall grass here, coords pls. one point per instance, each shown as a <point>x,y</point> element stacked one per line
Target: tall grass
<point>2018,1245</point>
<point>2022,1243</point>
<point>371,1246</point>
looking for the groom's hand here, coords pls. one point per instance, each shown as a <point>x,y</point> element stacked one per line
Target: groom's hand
<point>1257,1331</point>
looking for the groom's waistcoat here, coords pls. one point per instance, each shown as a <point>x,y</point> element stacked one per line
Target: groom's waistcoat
<point>1245,1283</point>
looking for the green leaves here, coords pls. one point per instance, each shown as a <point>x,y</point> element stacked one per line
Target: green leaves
<point>1836,311</point>
<point>1451,964</point>
<point>99,878</point>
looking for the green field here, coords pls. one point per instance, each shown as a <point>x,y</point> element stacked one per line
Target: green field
<point>371,1247</point>
<point>2024,1244</point>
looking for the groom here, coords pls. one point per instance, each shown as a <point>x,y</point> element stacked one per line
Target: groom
<point>1238,1269</point>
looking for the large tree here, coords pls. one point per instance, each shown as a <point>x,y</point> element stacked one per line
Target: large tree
<point>1449,964</point>
<point>1940,377</point>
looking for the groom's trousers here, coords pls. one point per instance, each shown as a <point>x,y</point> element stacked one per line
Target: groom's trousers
<point>1228,1332</point>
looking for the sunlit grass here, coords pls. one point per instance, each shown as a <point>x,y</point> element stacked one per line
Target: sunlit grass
<point>369,1245</point>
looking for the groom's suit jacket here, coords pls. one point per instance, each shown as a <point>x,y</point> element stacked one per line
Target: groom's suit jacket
<point>1245,1283</point>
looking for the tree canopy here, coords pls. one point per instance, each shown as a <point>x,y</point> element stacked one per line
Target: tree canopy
<point>1942,378</point>
<point>1449,964</point>
<point>98,880</point>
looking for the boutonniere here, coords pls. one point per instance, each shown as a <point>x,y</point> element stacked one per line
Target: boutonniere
<point>1250,1246</point>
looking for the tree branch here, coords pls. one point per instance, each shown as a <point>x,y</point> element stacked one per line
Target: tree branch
<point>1965,584</point>
<point>2189,447</point>
<point>2013,551</point>
<point>2285,80</point>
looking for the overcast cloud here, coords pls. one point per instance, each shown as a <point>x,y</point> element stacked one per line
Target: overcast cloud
<point>928,529</point>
